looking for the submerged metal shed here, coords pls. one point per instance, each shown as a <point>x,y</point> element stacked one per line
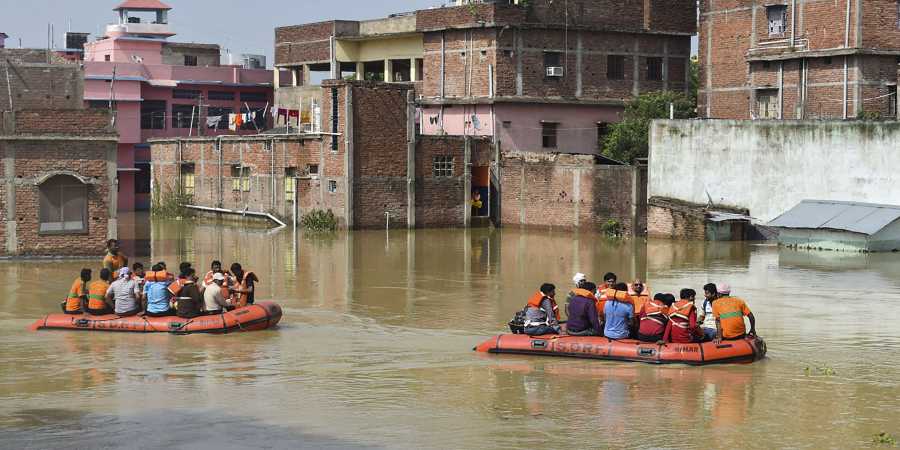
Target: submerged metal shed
<point>835,225</point>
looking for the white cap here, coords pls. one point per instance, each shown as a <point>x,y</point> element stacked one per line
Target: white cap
<point>579,277</point>
<point>724,288</point>
<point>218,276</point>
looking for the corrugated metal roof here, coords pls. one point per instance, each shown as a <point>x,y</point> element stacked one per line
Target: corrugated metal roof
<point>865,218</point>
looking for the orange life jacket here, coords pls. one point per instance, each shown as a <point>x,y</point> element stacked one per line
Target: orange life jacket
<point>97,294</point>
<point>162,275</point>
<point>115,262</point>
<point>242,298</point>
<point>680,313</point>
<point>176,286</point>
<point>538,298</point>
<point>656,311</point>
<point>638,301</point>
<point>73,300</point>
<point>612,294</point>
<point>208,280</point>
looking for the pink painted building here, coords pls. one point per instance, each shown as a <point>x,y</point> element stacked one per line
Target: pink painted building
<point>159,88</point>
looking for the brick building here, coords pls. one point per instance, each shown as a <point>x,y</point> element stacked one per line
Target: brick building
<point>369,169</point>
<point>798,59</point>
<point>57,188</point>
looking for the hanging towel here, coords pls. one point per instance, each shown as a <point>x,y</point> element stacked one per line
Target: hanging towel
<point>213,121</point>
<point>234,122</point>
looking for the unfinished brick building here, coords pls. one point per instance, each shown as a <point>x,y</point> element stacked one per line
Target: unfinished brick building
<point>798,59</point>
<point>58,186</point>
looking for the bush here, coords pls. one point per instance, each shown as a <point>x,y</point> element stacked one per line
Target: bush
<point>630,138</point>
<point>170,204</point>
<point>611,228</point>
<point>318,220</point>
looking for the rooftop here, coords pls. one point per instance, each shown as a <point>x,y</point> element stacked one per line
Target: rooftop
<point>147,5</point>
<point>855,217</point>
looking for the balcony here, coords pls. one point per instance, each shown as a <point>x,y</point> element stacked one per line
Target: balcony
<point>154,29</point>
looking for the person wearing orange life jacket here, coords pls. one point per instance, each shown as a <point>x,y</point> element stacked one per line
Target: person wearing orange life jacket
<point>653,318</point>
<point>542,313</point>
<point>639,294</point>
<point>618,312</point>
<point>729,313</point>
<point>682,327</point>
<point>244,289</point>
<point>180,281</point>
<point>97,304</point>
<point>76,300</point>
<point>579,279</point>
<point>216,267</point>
<point>114,259</point>
<point>609,280</point>
<point>156,293</point>
<point>581,313</point>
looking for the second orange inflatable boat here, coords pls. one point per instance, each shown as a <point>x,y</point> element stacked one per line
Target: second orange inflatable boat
<point>744,350</point>
<point>259,316</point>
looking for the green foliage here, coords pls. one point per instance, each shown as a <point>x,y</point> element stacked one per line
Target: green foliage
<point>611,228</point>
<point>694,81</point>
<point>884,439</point>
<point>869,116</point>
<point>318,220</point>
<point>823,370</point>
<point>630,138</point>
<point>170,203</point>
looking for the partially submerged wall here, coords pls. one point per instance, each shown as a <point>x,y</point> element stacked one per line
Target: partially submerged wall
<point>768,167</point>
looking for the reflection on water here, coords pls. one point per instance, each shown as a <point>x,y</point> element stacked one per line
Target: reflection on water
<point>375,349</point>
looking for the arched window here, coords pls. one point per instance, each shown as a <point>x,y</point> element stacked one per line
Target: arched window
<point>63,208</point>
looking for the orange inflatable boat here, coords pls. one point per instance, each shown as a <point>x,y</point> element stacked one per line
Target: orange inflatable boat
<point>744,350</point>
<point>259,316</point>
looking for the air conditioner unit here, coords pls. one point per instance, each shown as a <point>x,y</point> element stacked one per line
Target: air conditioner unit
<point>554,71</point>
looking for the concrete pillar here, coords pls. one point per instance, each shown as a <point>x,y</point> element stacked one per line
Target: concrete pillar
<point>9,175</point>
<point>518,45</point>
<point>307,79</point>
<point>636,66</point>
<point>360,71</point>
<point>348,154</point>
<point>413,70</point>
<point>665,65</point>
<point>467,181</point>
<point>387,71</point>
<point>410,159</point>
<point>112,178</point>
<point>295,76</point>
<point>276,78</point>
<point>579,50</point>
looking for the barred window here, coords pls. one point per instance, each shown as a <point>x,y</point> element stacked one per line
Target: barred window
<point>153,115</point>
<point>187,179</point>
<point>63,205</point>
<point>548,134</point>
<point>240,178</point>
<point>615,67</point>
<point>220,95</point>
<point>254,97</point>
<point>185,116</point>
<point>190,94</point>
<point>332,186</point>
<point>443,166</point>
<point>654,69</point>
<point>222,113</point>
<point>289,183</point>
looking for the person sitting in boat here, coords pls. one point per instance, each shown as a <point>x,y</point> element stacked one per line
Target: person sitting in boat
<point>214,302</point>
<point>157,295</point>
<point>578,280</point>
<point>729,313</point>
<point>97,303</point>
<point>214,268</point>
<point>706,317</point>
<point>190,301</point>
<point>583,319</point>
<point>124,293</point>
<point>682,326</point>
<point>114,259</point>
<point>618,312</point>
<point>243,287</point>
<point>652,319</point>
<point>609,280</point>
<point>639,294</point>
<point>542,313</point>
<point>76,300</point>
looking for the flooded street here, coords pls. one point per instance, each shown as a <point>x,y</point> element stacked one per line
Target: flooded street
<point>375,350</point>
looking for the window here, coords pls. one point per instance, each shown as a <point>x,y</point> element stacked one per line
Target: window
<point>223,113</point>
<point>63,205</point>
<point>777,15</point>
<point>443,166</point>
<point>142,178</point>
<point>827,61</point>
<point>892,101</point>
<point>420,69</point>
<point>654,69</point>
<point>254,97</point>
<point>187,179</point>
<point>185,116</point>
<point>548,134</point>
<point>602,132</point>
<point>312,169</point>
<point>332,186</point>
<point>615,67</point>
<point>220,95</point>
<point>767,104</point>
<point>106,57</point>
<point>189,94</point>
<point>99,104</point>
<point>190,60</point>
<point>153,115</point>
<point>240,178</point>
<point>553,64</point>
<point>290,183</point>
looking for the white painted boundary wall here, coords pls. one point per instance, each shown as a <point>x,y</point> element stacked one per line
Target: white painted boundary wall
<point>770,166</point>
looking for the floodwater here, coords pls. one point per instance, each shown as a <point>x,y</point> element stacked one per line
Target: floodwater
<point>375,350</point>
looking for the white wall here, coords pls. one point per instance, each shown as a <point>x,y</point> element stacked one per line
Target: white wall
<point>770,166</point>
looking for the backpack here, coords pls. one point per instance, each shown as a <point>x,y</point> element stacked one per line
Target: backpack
<point>517,324</point>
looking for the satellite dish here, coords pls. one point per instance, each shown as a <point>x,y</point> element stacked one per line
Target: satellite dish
<point>137,59</point>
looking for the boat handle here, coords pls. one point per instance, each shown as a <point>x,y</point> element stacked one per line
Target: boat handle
<point>646,351</point>
<point>82,323</point>
<point>538,343</point>
<point>724,346</point>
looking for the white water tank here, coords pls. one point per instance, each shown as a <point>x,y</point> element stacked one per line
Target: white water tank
<point>249,61</point>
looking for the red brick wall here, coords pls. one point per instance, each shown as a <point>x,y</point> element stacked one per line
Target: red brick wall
<point>670,223</point>
<point>310,42</point>
<point>34,159</point>
<point>564,191</point>
<point>41,86</point>
<point>88,122</point>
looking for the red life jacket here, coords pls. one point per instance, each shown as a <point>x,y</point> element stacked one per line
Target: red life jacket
<point>680,313</point>
<point>538,298</point>
<point>656,311</point>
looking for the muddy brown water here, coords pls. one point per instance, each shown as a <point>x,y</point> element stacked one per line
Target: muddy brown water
<point>375,350</point>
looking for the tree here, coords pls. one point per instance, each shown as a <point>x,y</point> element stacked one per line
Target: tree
<point>630,138</point>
